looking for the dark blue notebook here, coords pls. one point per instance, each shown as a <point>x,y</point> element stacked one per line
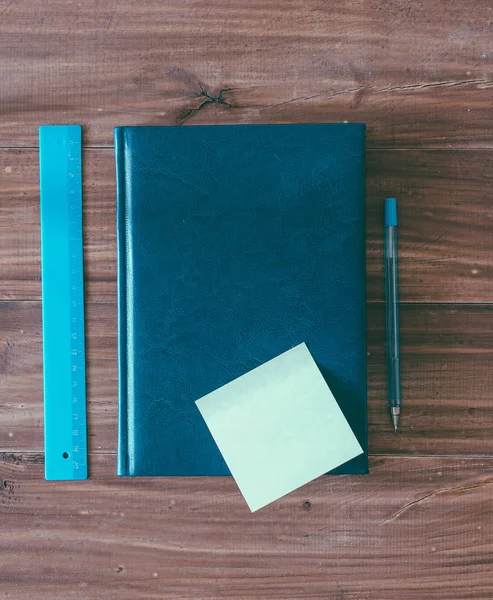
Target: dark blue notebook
<point>235,243</point>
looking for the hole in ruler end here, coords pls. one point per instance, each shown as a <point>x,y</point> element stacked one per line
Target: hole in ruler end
<point>65,455</point>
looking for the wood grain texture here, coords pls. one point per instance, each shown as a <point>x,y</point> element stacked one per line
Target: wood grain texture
<point>446,224</point>
<point>418,72</point>
<point>20,261</point>
<point>447,376</point>
<point>21,376</point>
<point>405,532</point>
<point>446,235</point>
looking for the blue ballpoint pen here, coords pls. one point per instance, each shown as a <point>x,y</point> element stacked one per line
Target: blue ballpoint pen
<point>392,310</point>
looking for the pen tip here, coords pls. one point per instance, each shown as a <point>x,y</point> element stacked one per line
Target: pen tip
<point>395,421</point>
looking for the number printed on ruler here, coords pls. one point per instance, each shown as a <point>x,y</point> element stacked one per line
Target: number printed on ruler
<point>77,347</point>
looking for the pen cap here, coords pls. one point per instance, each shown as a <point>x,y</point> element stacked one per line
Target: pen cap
<point>390,212</point>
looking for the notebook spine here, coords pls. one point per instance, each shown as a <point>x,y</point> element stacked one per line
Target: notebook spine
<point>121,208</point>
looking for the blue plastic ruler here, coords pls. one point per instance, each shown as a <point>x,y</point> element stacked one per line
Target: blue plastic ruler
<point>60,160</point>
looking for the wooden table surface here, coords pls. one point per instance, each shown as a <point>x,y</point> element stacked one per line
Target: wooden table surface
<point>420,74</point>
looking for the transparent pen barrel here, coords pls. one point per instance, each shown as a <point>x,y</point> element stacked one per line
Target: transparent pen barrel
<point>392,315</point>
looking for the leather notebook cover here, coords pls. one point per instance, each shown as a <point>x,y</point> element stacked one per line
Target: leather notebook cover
<point>235,244</point>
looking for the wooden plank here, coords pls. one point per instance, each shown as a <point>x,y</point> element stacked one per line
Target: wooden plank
<point>447,378</point>
<point>21,376</point>
<point>446,224</point>
<point>415,528</point>
<point>20,263</point>
<point>419,73</point>
<point>446,240</point>
<point>447,371</point>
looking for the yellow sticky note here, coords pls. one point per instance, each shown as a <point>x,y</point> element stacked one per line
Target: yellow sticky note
<point>278,427</point>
